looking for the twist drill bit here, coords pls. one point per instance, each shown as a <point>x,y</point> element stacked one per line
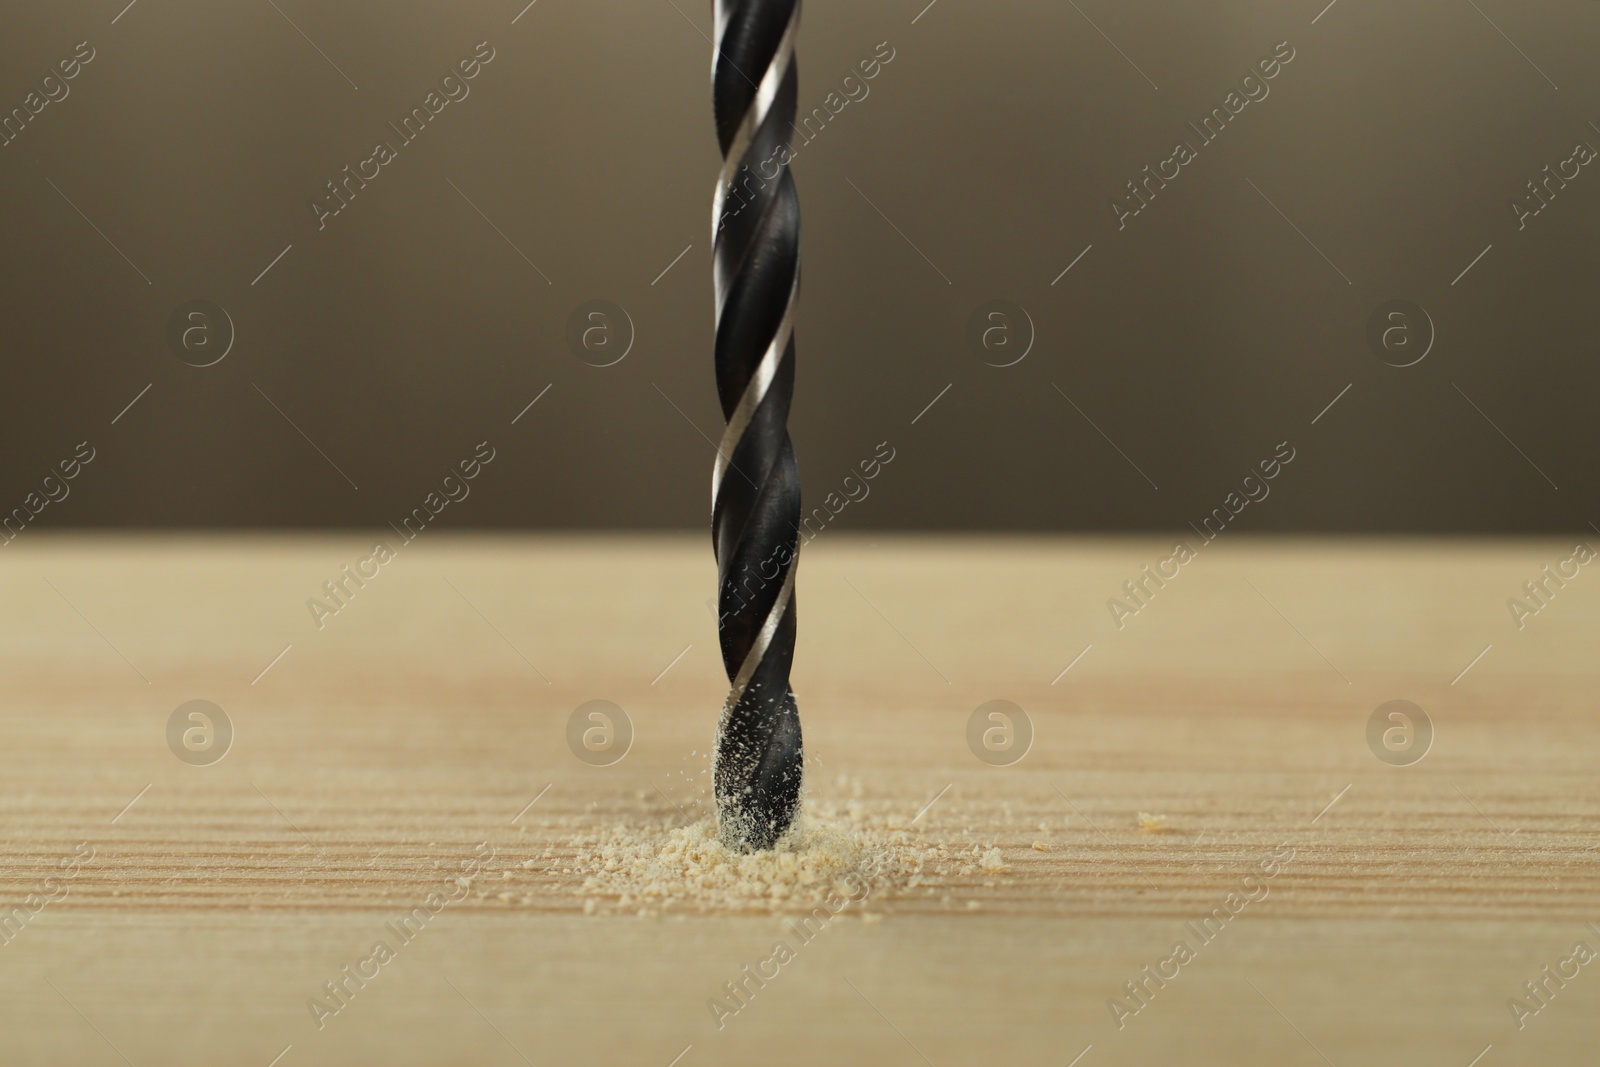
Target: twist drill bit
<point>755,485</point>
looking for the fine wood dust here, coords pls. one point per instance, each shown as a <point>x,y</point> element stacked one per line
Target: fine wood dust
<point>850,857</point>
<point>827,859</point>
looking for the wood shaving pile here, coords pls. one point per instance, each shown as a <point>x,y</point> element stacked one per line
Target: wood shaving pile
<point>844,858</point>
<point>822,861</point>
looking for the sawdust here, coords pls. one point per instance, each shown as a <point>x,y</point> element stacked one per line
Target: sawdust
<point>846,853</point>
<point>823,861</point>
<point>847,857</point>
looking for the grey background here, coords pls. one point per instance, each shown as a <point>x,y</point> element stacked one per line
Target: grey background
<point>1196,339</point>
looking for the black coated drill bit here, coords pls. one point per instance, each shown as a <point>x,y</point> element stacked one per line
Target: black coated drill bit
<point>755,485</point>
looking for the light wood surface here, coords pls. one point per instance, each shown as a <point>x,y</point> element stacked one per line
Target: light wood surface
<point>424,717</point>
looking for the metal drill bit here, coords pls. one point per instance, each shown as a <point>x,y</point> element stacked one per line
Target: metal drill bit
<point>755,485</point>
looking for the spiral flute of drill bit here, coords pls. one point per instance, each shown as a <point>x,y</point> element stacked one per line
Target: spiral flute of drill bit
<point>755,485</point>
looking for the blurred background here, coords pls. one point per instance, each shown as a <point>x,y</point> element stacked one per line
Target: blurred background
<point>1383,263</point>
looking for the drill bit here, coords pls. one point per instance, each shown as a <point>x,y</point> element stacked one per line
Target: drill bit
<point>755,485</point>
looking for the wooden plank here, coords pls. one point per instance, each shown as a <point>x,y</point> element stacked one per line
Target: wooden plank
<point>428,718</point>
